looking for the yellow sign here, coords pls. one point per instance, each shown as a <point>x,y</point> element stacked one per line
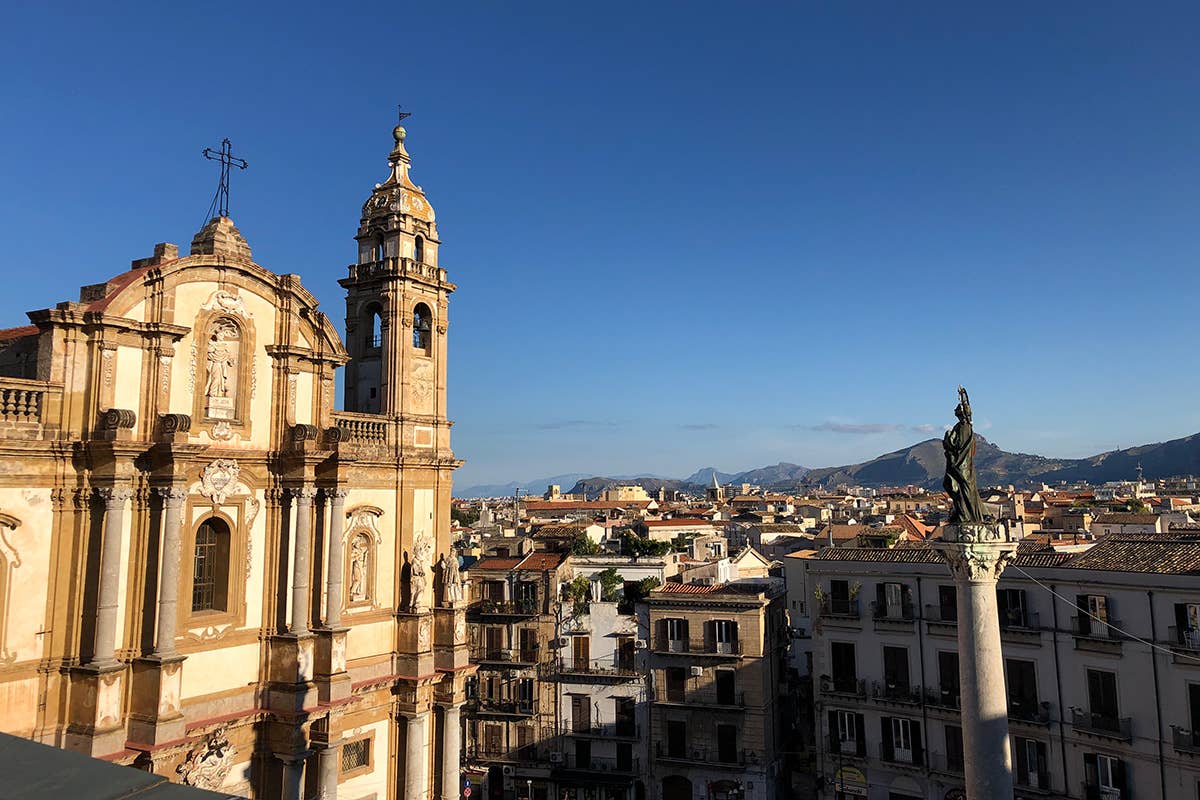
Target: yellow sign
<point>851,781</point>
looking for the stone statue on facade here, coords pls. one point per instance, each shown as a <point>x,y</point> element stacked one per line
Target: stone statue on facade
<point>959,483</point>
<point>452,592</point>
<point>220,360</point>
<point>360,554</point>
<point>419,574</point>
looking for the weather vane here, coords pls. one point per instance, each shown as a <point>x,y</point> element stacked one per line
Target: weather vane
<point>220,203</point>
<point>402,113</point>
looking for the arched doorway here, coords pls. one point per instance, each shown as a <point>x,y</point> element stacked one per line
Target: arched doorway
<point>676,787</point>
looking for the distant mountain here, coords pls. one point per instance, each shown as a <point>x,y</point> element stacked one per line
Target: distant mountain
<point>781,473</point>
<point>924,465</point>
<point>535,486</point>
<point>703,476</point>
<point>592,487</point>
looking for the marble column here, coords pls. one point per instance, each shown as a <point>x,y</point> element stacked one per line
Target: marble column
<point>104,650</point>
<point>168,570</point>
<point>451,752</point>
<point>333,564</point>
<point>416,765</point>
<point>327,771</point>
<point>293,777</point>
<point>302,545</point>
<point>977,554</point>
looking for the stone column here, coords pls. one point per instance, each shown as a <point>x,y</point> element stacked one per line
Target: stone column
<point>302,509</point>
<point>977,554</point>
<point>168,570</point>
<point>327,771</point>
<point>451,754</point>
<point>293,776</point>
<point>333,568</point>
<point>108,597</point>
<point>416,765</point>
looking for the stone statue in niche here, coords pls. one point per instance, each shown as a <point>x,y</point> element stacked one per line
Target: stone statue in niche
<point>419,574</point>
<point>221,362</point>
<point>360,563</point>
<point>451,581</point>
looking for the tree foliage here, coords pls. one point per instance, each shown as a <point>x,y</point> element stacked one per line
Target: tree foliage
<point>581,545</point>
<point>638,546</point>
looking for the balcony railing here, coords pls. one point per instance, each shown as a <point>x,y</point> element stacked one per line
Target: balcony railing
<point>909,758</point>
<point>711,756</point>
<point>603,669</point>
<point>481,754</point>
<point>1185,639</point>
<point>595,764</point>
<point>605,730</point>
<point>664,644</point>
<point>845,686</point>
<point>896,693</point>
<point>1038,780</point>
<point>852,748</point>
<point>28,409</point>
<point>1087,628</point>
<point>502,655</point>
<point>700,698</point>
<point>1034,712</point>
<point>941,615</point>
<point>1020,620</point>
<point>1092,791</point>
<point>362,429</point>
<point>1184,740</point>
<point>940,762</point>
<point>845,609</point>
<point>1101,724</point>
<point>525,607</point>
<point>943,696</point>
<point>882,612</point>
<point>513,708</point>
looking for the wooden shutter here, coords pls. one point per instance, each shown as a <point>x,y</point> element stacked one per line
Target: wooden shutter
<point>860,733</point>
<point>1022,760</point>
<point>880,600</point>
<point>1119,777</point>
<point>1085,622</point>
<point>918,745</point>
<point>1091,770</point>
<point>885,738</point>
<point>835,742</point>
<point>1181,622</point>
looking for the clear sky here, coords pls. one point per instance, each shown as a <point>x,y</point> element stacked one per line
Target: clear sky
<point>684,233</point>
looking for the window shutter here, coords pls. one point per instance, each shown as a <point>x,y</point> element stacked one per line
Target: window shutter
<point>1081,605</point>
<point>1181,622</point>
<point>1022,760</point>
<point>733,636</point>
<point>880,599</point>
<point>1091,771</point>
<point>662,634</point>
<point>918,744</point>
<point>710,636</point>
<point>1119,778</point>
<point>683,623</point>
<point>834,740</point>
<point>860,733</point>
<point>885,738</point>
<point>1002,605</point>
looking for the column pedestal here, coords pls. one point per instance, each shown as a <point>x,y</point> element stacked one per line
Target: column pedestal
<point>415,640</point>
<point>977,553</point>
<point>156,714</point>
<point>333,681</point>
<point>291,672</point>
<point>96,726</point>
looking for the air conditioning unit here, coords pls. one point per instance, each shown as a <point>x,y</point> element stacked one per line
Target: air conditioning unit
<point>509,770</point>
<point>563,641</point>
<point>697,672</point>
<point>508,655</point>
<point>697,755</point>
<point>556,757</point>
<point>639,644</point>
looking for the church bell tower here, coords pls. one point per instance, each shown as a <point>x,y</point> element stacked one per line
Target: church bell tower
<point>396,304</point>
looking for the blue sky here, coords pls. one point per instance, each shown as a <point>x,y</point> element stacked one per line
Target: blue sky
<point>684,233</point>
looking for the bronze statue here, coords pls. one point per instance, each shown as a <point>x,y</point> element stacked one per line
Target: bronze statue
<point>959,483</point>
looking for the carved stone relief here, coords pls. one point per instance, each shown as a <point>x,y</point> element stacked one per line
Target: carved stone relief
<point>209,762</point>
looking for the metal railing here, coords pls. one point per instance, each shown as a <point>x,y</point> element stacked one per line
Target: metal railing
<point>945,615</point>
<point>485,705</point>
<point>853,748</point>
<point>1186,740</point>
<point>1185,638</point>
<point>524,755</point>
<point>525,607</point>
<point>940,762</point>
<point>664,644</point>
<point>608,730</point>
<point>595,667</point>
<point>1035,712</point>
<point>944,696</point>
<point>847,609</point>
<point>598,764</point>
<point>1088,628</point>
<point>1101,724</point>
<point>502,654</point>
<point>1021,620</point>
<point>703,755</point>
<point>697,697</point>
<point>898,693</point>
<point>886,613</point>
<point>845,685</point>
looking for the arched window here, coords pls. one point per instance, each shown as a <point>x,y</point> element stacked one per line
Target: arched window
<point>419,250</point>
<point>422,325</point>
<point>374,320</point>
<point>210,567</point>
<point>377,249</point>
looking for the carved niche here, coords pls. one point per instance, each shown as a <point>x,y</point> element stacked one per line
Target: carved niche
<point>362,540</point>
<point>222,368</point>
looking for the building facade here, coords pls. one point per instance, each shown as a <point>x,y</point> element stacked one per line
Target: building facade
<point>1102,670</point>
<point>205,569</point>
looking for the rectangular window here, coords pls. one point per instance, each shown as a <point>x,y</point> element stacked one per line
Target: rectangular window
<point>528,642</point>
<point>893,601</point>
<point>725,635</point>
<point>948,676</point>
<point>1022,688</point>
<point>1093,615</point>
<point>676,684</point>
<point>1194,709</point>
<point>902,747</point>
<point>895,672</point>
<point>204,576</point>
<point>1102,697</point>
<point>493,739</point>
<point>676,738</point>
<point>677,634</point>
<point>581,713</point>
<point>625,653</point>
<point>493,638</point>
<point>1031,765</point>
<point>844,672</point>
<point>948,603</point>
<point>1105,776</point>
<point>525,694</point>
<point>1011,605</point>
<point>727,750</point>
<point>625,715</point>
<point>356,756</point>
<point>847,732</point>
<point>839,597</point>
<point>954,748</point>
<point>725,691</point>
<point>526,596</point>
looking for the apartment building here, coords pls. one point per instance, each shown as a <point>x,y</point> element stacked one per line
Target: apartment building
<point>716,663</point>
<point>1102,664</point>
<point>510,713</point>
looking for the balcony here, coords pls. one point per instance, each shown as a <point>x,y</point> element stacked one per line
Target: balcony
<point>606,730</point>
<point>512,609</point>
<point>1032,713</point>
<point>940,762</point>
<point>597,670</point>
<point>697,647</point>
<point>1118,728</point>
<point>846,687</point>
<point>503,658</point>
<point>1185,646</point>
<point>913,759</point>
<point>1092,791</point>
<point>366,431</point>
<point>1186,741</point>
<point>29,409</point>
<point>886,616</point>
<point>619,766</point>
<point>903,694</point>
<point>514,709</point>
<point>1099,637</point>
<point>1031,784</point>
<point>846,748</point>
<point>704,756</point>
<point>941,620</point>
<point>482,755</point>
<point>947,697</point>
<point>1021,625</point>
<point>840,612</point>
<point>707,699</point>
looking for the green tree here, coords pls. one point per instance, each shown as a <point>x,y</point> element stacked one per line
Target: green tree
<point>581,545</point>
<point>638,546</point>
<point>464,516</point>
<point>610,582</point>
<point>579,592</point>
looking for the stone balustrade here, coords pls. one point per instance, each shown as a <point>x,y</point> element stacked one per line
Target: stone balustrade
<point>26,408</point>
<point>363,429</point>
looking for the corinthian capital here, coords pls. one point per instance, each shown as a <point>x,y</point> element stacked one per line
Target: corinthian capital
<point>977,563</point>
<point>303,494</point>
<point>114,496</point>
<point>172,494</point>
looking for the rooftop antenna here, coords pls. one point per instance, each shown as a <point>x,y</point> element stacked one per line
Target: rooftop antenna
<point>220,202</point>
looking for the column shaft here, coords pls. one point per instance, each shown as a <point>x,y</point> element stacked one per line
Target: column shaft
<point>984,701</point>
<point>327,777</point>
<point>333,578</point>
<point>110,574</point>
<point>451,754</point>
<point>416,766</point>
<point>293,778</point>
<point>168,571</point>
<point>302,510</point>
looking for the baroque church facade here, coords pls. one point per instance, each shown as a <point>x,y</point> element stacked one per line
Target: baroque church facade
<point>208,572</point>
